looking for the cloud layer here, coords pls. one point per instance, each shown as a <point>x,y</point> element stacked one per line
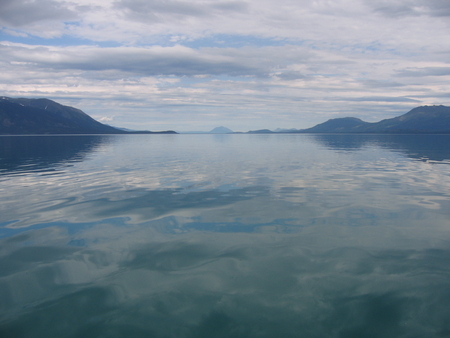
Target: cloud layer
<point>245,64</point>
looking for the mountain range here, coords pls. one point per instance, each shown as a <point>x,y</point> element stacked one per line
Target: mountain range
<point>43,116</point>
<point>422,120</point>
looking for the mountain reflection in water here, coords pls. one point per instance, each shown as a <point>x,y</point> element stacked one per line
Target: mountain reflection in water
<point>419,146</point>
<point>24,154</point>
<point>225,236</point>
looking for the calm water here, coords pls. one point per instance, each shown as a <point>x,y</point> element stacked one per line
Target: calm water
<point>225,236</point>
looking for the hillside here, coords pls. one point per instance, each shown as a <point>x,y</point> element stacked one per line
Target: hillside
<point>339,125</point>
<point>432,119</point>
<point>425,119</point>
<point>42,116</point>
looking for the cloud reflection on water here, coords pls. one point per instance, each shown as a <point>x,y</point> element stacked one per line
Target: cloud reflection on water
<point>176,238</point>
<point>215,284</point>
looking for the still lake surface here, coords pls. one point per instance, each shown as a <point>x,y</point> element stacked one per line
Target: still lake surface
<point>225,236</point>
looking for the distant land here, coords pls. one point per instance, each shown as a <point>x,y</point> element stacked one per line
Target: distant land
<point>22,116</point>
<point>221,130</point>
<point>420,120</point>
<point>217,130</point>
<point>43,116</point>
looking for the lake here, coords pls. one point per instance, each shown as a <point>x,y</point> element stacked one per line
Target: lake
<point>276,235</point>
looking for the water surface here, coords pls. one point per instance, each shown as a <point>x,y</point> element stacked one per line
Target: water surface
<point>225,236</point>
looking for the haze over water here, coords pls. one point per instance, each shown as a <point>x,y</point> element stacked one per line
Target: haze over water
<point>225,236</point>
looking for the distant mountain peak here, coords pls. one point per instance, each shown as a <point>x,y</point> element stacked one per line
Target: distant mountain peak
<point>221,130</point>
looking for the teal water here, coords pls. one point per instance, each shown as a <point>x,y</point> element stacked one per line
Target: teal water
<point>225,236</point>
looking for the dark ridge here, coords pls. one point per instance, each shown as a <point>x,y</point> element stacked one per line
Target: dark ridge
<point>42,116</point>
<point>420,120</point>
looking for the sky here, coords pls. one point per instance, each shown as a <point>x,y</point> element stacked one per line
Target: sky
<point>243,64</point>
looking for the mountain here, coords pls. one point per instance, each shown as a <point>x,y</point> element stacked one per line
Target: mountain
<point>284,130</point>
<point>432,119</point>
<point>261,131</point>
<point>425,119</point>
<point>217,130</point>
<point>43,116</point>
<point>221,130</point>
<point>339,125</point>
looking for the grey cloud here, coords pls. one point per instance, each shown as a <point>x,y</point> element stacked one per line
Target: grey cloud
<point>149,10</point>
<point>150,62</point>
<point>237,6</point>
<point>288,76</point>
<point>444,95</point>
<point>152,10</point>
<point>400,8</point>
<point>426,71</point>
<point>382,99</point>
<point>164,61</point>
<point>270,61</point>
<point>435,7</point>
<point>393,9</point>
<point>381,84</point>
<point>155,65</point>
<point>17,13</point>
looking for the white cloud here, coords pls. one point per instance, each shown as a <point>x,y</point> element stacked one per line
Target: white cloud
<point>104,119</point>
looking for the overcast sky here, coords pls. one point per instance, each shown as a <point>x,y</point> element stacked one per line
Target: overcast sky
<point>243,64</point>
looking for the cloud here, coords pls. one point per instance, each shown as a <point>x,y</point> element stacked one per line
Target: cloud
<point>14,33</point>
<point>381,84</point>
<point>136,22</point>
<point>293,75</point>
<point>283,62</point>
<point>175,7</point>
<point>422,72</point>
<point>150,11</point>
<point>158,61</point>
<point>104,119</point>
<point>18,13</point>
<point>155,9</point>
<point>398,8</point>
<point>245,88</point>
<point>382,99</point>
